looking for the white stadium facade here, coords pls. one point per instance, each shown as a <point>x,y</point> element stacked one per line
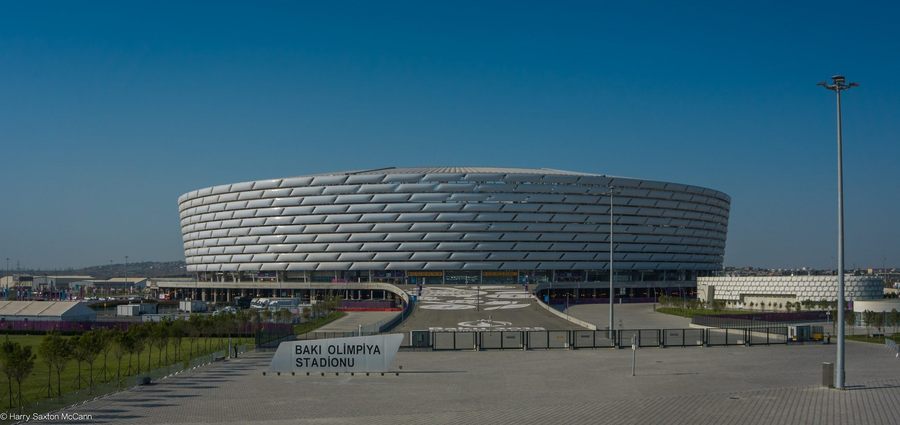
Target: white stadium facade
<point>454,226</point>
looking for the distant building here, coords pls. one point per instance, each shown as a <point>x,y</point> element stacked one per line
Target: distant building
<point>55,283</point>
<point>46,311</point>
<point>120,283</point>
<point>39,283</point>
<point>741,291</point>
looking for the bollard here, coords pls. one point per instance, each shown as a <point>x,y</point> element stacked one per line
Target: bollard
<point>828,375</point>
<point>633,353</point>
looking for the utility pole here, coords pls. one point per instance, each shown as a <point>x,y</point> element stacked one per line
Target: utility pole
<point>839,84</point>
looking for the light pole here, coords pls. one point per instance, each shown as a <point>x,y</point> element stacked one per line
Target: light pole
<point>839,84</point>
<point>126,271</point>
<point>612,294</point>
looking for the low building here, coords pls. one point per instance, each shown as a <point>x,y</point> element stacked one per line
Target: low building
<point>773,290</point>
<point>120,284</point>
<point>877,306</point>
<point>55,283</point>
<point>37,311</point>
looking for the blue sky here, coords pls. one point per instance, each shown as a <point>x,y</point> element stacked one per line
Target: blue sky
<point>110,110</point>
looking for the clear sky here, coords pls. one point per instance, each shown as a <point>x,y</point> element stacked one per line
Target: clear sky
<point>110,110</point>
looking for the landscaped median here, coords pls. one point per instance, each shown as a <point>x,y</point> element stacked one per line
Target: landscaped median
<point>877,339</point>
<point>692,312</point>
<point>313,324</point>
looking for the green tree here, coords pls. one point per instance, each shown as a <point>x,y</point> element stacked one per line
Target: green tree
<point>177,332</point>
<point>122,347</point>
<point>849,317</point>
<point>86,349</point>
<point>79,352</point>
<point>7,357</point>
<point>894,318</point>
<point>148,341</point>
<point>18,364</point>
<point>284,316</point>
<point>56,352</point>
<point>195,329</point>
<point>138,341</point>
<point>878,320</point>
<point>105,340</point>
<point>161,340</point>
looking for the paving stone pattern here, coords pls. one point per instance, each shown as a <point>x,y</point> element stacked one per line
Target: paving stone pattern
<point>734,385</point>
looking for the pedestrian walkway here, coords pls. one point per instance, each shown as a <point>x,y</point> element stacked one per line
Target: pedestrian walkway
<point>628,316</point>
<point>354,319</point>
<point>753,385</point>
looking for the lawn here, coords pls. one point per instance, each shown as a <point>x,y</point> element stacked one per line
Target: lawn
<point>873,339</point>
<point>34,388</point>
<point>314,324</point>
<point>691,312</point>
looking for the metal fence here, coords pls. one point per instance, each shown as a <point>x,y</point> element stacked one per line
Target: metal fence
<point>581,339</point>
<point>101,389</point>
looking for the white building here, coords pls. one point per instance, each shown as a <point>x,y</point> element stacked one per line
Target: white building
<point>744,290</point>
<point>453,225</point>
<point>46,311</point>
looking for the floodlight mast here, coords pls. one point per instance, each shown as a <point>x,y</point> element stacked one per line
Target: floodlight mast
<point>839,84</point>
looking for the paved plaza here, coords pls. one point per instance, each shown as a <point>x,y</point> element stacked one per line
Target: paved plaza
<point>486,307</point>
<point>735,385</point>
<point>628,316</point>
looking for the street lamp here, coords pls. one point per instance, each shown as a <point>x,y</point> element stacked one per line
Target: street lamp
<point>126,272</point>
<point>839,84</point>
<point>612,294</point>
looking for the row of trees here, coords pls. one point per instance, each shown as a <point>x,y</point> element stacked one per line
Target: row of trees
<point>17,364</point>
<point>693,303</point>
<point>129,350</point>
<point>880,320</point>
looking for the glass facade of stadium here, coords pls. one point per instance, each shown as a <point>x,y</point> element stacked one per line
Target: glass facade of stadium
<point>457,226</point>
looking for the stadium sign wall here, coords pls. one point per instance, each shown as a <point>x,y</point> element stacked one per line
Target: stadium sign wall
<point>373,353</point>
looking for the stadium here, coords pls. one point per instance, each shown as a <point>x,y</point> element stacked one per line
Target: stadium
<point>455,226</point>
